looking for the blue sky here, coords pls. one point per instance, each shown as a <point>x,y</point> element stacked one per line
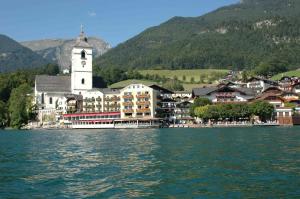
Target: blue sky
<point>115,21</point>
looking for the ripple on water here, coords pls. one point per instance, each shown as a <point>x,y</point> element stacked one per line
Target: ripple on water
<point>166,163</point>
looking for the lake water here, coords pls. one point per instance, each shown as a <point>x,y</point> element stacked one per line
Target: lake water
<point>161,163</point>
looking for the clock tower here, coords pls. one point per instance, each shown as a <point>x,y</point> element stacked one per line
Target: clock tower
<point>82,61</point>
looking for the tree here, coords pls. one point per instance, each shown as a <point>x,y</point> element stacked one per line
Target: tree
<point>202,78</point>
<point>173,85</point>
<point>3,114</point>
<point>19,105</point>
<point>244,76</point>
<point>201,112</point>
<point>199,102</point>
<point>262,109</point>
<point>271,67</point>
<point>192,80</point>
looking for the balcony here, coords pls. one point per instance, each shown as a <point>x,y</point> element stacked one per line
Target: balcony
<point>144,110</point>
<point>143,96</point>
<point>141,103</point>
<point>128,110</point>
<point>127,96</point>
<point>127,103</point>
<point>114,105</point>
<point>89,100</point>
<point>88,106</point>
<point>115,99</point>
<point>225,95</point>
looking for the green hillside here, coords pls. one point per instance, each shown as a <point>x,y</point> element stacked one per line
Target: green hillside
<point>14,56</point>
<point>295,73</point>
<point>122,84</point>
<point>125,83</point>
<point>233,37</point>
<point>188,76</point>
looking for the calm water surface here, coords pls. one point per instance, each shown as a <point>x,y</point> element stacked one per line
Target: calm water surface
<point>162,163</point>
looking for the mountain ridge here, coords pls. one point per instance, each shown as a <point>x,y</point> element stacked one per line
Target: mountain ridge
<point>59,50</point>
<point>14,56</point>
<point>237,36</point>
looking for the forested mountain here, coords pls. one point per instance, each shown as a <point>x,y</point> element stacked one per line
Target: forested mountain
<point>59,50</point>
<point>14,56</point>
<point>239,36</point>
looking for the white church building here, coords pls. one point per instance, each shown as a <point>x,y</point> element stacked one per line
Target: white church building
<point>58,96</point>
<point>53,94</point>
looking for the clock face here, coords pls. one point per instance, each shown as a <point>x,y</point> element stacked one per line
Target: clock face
<point>83,63</point>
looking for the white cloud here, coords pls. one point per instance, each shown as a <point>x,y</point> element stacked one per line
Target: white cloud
<point>92,13</point>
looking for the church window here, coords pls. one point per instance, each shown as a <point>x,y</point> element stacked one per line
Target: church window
<point>43,98</point>
<point>50,100</point>
<point>82,81</point>
<point>82,54</point>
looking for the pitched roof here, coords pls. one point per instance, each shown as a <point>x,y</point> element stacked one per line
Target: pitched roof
<point>267,81</point>
<point>203,91</point>
<point>109,91</point>
<point>82,41</point>
<point>207,90</point>
<point>45,83</point>
<point>161,89</point>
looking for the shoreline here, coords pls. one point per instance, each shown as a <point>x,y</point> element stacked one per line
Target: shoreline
<point>172,127</point>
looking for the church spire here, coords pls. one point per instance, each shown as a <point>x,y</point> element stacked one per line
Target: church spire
<point>81,29</point>
<point>82,40</point>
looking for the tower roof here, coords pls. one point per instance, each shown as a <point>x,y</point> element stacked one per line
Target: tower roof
<point>82,40</point>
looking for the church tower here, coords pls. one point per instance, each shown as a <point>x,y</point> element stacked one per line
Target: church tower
<point>82,61</point>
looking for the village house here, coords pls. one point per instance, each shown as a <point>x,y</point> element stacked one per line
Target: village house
<point>224,94</point>
<point>260,84</point>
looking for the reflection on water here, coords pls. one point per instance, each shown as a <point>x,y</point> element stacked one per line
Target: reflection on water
<point>167,163</point>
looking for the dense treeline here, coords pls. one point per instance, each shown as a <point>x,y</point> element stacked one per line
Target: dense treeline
<point>234,112</point>
<point>16,106</point>
<point>235,37</point>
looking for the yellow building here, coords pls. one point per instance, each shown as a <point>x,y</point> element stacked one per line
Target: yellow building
<point>138,101</point>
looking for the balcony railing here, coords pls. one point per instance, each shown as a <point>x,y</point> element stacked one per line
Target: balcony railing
<point>114,105</point>
<point>143,96</point>
<point>144,110</point>
<point>127,96</point>
<point>128,110</point>
<point>225,95</point>
<point>127,103</point>
<point>115,99</point>
<point>141,103</point>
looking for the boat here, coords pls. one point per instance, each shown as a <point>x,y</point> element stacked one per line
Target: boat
<point>108,120</point>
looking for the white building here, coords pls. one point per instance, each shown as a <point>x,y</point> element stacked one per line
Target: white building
<point>61,94</point>
<point>58,95</point>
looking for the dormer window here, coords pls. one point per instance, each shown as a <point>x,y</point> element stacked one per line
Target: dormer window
<point>82,54</point>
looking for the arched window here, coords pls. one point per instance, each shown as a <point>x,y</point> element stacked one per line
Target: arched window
<point>82,54</point>
<point>43,98</point>
<point>82,81</point>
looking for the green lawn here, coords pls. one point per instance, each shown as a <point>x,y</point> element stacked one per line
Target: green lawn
<point>122,84</point>
<point>289,74</point>
<point>125,83</point>
<point>189,87</point>
<point>189,76</point>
